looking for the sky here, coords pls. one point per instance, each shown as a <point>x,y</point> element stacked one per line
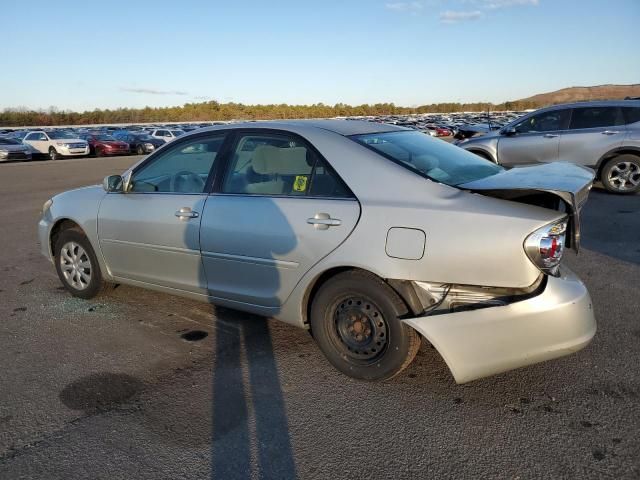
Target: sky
<point>82,55</point>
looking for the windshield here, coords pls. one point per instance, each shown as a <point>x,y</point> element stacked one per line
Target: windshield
<point>177,133</point>
<point>8,141</point>
<point>143,137</point>
<point>430,157</point>
<point>60,135</point>
<point>104,138</point>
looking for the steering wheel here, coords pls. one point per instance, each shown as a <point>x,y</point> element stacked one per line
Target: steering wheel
<point>181,178</point>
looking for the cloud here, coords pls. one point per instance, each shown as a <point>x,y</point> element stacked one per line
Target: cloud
<point>152,91</point>
<point>456,17</point>
<point>496,4</point>
<point>413,7</point>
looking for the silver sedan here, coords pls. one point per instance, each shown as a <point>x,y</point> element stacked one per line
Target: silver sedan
<point>371,236</point>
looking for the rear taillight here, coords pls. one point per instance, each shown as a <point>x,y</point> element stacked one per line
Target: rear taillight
<point>545,247</point>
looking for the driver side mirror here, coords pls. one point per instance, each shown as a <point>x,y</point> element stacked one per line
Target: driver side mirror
<point>510,132</point>
<point>113,183</point>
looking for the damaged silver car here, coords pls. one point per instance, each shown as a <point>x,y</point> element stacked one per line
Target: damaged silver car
<point>373,237</point>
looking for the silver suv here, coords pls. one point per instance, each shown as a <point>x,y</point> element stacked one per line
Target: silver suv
<point>602,135</point>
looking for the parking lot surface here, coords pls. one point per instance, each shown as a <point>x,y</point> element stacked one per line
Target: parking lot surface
<point>137,384</point>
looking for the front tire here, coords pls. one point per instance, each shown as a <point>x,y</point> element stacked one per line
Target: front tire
<point>355,319</point>
<point>621,174</point>
<point>77,265</point>
<point>140,150</point>
<point>53,154</point>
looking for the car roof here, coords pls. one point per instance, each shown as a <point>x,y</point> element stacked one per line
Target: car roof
<point>341,127</point>
<point>596,103</point>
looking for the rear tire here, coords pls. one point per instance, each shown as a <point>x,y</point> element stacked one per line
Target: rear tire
<point>621,174</point>
<point>355,319</point>
<point>77,265</point>
<point>53,154</point>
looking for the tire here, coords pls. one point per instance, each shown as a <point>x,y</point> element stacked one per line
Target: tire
<point>98,152</point>
<point>482,155</point>
<point>621,174</point>
<point>140,150</point>
<point>77,265</point>
<point>53,154</point>
<point>355,320</point>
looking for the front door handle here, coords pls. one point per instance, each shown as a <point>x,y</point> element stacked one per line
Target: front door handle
<point>550,135</point>
<point>610,132</point>
<point>185,213</point>
<point>322,221</point>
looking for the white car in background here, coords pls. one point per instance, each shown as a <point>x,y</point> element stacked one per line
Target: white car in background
<point>166,134</point>
<point>57,144</point>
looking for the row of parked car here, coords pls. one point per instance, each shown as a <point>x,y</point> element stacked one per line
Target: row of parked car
<point>26,144</point>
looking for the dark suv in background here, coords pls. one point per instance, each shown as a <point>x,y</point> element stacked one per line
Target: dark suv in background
<point>603,135</point>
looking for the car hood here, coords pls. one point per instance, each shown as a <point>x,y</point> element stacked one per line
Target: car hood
<point>14,148</point>
<point>568,182</point>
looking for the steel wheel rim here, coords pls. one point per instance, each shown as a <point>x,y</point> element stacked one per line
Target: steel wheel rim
<point>624,176</point>
<point>361,332</point>
<point>75,265</point>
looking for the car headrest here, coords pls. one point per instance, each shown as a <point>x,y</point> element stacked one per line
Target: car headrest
<point>269,160</point>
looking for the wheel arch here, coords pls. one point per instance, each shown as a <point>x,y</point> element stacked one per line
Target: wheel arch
<point>629,150</point>
<point>481,152</point>
<point>60,226</point>
<point>400,287</point>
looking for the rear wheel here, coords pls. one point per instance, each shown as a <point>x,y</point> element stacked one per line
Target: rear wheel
<point>355,319</point>
<point>77,265</point>
<point>53,154</point>
<point>621,174</point>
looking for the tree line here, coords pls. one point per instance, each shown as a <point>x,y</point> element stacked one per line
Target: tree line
<point>213,110</point>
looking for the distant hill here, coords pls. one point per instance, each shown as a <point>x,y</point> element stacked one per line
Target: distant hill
<point>577,94</point>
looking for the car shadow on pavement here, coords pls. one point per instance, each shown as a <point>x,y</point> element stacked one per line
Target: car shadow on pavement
<point>250,429</point>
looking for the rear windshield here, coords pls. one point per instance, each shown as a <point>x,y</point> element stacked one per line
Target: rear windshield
<point>429,157</point>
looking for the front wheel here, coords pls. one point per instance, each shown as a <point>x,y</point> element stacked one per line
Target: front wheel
<point>140,150</point>
<point>355,319</point>
<point>621,174</point>
<point>53,154</point>
<point>77,265</point>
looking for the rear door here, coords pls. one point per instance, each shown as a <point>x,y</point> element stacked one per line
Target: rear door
<point>536,139</point>
<point>279,210</point>
<point>593,132</point>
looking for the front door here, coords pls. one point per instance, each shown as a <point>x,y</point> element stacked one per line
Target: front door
<point>279,211</point>
<point>38,140</point>
<point>151,233</point>
<point>536,139</point>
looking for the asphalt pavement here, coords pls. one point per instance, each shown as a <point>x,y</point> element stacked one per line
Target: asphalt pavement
<point>137,384</point>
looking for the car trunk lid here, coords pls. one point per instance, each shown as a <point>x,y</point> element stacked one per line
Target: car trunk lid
<point>542,185</point>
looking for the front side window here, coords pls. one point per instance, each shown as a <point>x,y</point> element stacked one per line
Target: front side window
<point>595,117</point>
<point>544,122</point>
<point>631,114</point>
<point>429,157</point>
<point>277,164</point>
<point>36,137</point>
<point>182,169</point>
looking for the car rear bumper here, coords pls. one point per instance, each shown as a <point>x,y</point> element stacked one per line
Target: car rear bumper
<point>479,343</point>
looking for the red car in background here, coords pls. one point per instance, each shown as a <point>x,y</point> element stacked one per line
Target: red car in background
<point>101,144</point>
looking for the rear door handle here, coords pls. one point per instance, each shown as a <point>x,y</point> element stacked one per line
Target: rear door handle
<point>610,132</point>
<point>322,221</point>
<point>186,212</point>
<point>550,135</point>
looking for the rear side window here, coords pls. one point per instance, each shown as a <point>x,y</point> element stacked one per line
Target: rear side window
<point>278,164</point>
<point>631,114</point>
<point>595,117</point>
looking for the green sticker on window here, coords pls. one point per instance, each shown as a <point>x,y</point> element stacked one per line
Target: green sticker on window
<point>300,184</point>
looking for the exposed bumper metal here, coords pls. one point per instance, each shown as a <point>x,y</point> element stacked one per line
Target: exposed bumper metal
<point>479,343</point>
